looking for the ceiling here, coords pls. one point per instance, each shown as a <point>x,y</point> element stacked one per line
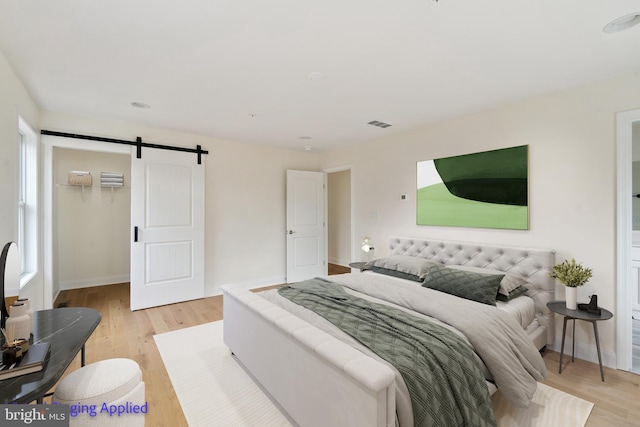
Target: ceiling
<point>295,73</point>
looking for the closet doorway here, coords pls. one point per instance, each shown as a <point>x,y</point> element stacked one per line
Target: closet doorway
<point>90,222</point>
<point>340,250</point>
<point>50,181</point>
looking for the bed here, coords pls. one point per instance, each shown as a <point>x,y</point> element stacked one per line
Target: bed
<point>320,378</point>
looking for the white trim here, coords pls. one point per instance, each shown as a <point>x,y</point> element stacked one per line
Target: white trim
<point>583,351</point>
<point>26,278</point>
<point>88,145</point>
<point>337,169</point>
<point>93,282</point>
<point>30,179</point>
<point>624,123</point>
<point>47,224</point>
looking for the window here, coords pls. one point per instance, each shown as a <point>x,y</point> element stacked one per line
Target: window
<point>27,201</point>
<point>22,162</point>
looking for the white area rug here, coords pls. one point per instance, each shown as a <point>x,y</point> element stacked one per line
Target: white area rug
<point>549,407</point>
<point>214,390</point>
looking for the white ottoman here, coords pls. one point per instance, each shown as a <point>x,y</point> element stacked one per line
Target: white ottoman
<point>105,393</point>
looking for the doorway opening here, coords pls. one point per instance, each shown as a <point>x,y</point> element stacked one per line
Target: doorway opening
<point>627,243</point>
<point>635,250</point>
<point>50,232</point>
<point>339,219</point>
<point>91,221</point>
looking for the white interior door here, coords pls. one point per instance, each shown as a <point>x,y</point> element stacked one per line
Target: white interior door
<point>167,221</point>
<point>306,235</point>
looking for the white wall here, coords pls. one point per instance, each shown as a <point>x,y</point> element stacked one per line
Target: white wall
<point>245,191</point>
<point>339,217</point>
<point>15,101</point>
<point>571,135</point>
<point>91,243</point>
<point>571,138</point>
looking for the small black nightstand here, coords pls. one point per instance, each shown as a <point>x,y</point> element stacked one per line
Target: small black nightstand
<point>359,265</point>
<point>560,307</point>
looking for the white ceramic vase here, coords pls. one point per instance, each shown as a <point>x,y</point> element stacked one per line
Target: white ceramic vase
<point>18,322</point>
<point>27,302</point>
<point>571,295</point>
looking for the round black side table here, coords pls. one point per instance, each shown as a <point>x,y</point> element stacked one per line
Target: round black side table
<point>560,307</point>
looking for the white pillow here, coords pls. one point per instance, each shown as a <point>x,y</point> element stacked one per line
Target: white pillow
<point>404,263</point>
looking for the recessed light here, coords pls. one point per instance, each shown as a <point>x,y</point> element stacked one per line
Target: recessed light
<point>307,147</point>
<point>622,23</point>
<point>140,105</point>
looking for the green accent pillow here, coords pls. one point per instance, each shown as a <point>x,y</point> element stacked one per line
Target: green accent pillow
<point>477,287</point>
<point>508,284</point>
<point>394,273</point>
<point>517,292</point>
<point>411,265</point>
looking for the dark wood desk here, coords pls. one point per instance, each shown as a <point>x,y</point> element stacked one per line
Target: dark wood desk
<point>66,329</point>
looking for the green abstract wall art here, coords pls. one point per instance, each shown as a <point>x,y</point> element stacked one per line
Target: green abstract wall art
<point>489,189</point>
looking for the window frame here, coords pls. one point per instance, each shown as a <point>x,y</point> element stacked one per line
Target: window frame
<point>22,172</point>
<point>27,237</point>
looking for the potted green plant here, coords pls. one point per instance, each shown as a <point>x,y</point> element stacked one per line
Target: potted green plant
<point>572,274</point>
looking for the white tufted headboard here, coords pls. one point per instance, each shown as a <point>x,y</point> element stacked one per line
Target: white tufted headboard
<point>533,264</point>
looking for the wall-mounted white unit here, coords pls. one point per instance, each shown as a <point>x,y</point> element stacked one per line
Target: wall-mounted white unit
<point>111,179</point>
<point>80,178</point>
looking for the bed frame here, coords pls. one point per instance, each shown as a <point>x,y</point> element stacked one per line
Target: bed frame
<point>319,380</point>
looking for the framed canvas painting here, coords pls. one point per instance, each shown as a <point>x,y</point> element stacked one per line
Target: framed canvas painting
<point>489,189</point>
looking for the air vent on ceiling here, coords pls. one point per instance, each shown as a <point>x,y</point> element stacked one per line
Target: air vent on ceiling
<point>379,124</point>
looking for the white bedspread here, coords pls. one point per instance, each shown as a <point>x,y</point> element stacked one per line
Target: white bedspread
<point>381,286</point>
<point>522,309</point>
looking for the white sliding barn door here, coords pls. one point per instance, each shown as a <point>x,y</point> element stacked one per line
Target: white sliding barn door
<point>167,228</point>
<point>305,225</point>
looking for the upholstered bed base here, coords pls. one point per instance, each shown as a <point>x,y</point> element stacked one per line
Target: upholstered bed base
<point>319,380</point>
<point>322,381</point>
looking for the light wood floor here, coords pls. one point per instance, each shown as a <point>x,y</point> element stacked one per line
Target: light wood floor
<point>123,333</point>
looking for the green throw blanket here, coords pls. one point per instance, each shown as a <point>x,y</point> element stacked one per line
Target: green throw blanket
<point>446,384</point>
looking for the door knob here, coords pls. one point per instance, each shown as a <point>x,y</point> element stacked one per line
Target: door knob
<point>291,231</point>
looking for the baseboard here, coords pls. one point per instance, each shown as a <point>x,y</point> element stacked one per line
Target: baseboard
<point>92,282</point>
<point>340,262</point>
<point>586,352</point>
